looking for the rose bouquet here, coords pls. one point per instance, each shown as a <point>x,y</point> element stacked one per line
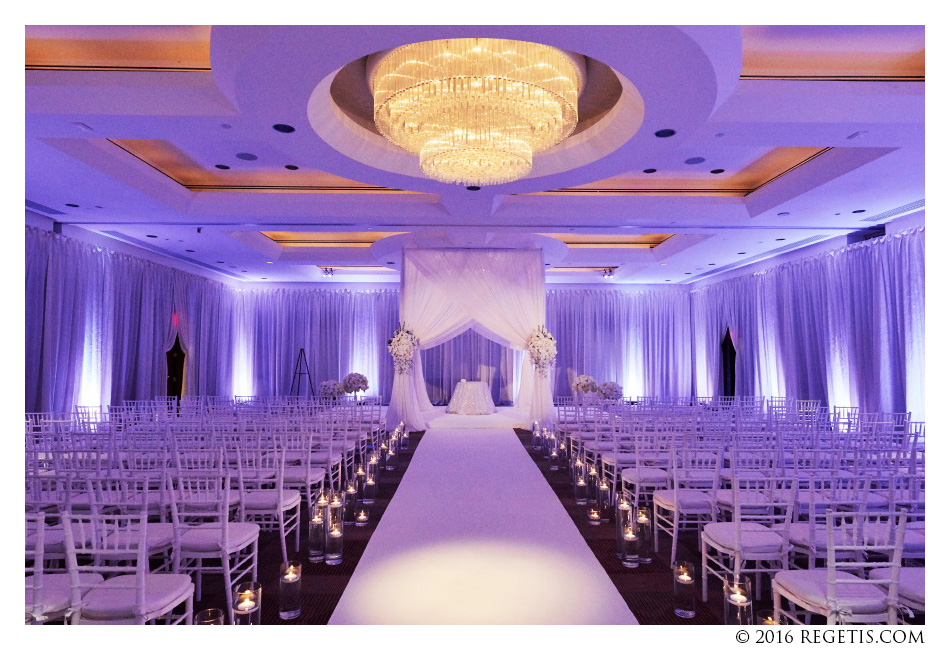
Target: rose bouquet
<point>331,389</point>
<point>542,348</point>
<point>402,347</point>
<point>355,382</point>
<point>610,390</point>
<point>584,384</point>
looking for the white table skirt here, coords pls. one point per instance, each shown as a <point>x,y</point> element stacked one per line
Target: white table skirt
<point>471,398</point>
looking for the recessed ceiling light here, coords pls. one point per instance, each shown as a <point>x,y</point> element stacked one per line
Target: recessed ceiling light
<point>712,264</point>
<point>97,206</point>
<point>741,253</point>
<point>649,171</point>
<point>245,156</point>
<point>268,262</point>
<point>779,239</point>
<point>284,128</point>
<point>225,126</point>
<point>219,262</point>
<point>222,167</point>
<point>665,133</point>
<point>664,263</point>
<point>837,214</point>
<point>784,214</point>
<point>263,278</point>
<point>473,188</point>
<point>71,205</point>
<point>152,236</point>
<point>716,171</point>
<point>858,211</point>
<point>666,280</point>
<point>188,250</point>
<point>695,160</point>
<point>292,168</point>
<point>244,271</point>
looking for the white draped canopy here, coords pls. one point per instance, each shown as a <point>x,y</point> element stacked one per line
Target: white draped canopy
<point>497,292</point>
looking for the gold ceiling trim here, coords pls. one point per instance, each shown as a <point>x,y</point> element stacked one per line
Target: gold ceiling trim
<point>113,68</point>
<point>830,77</point>
<point>711,191</point>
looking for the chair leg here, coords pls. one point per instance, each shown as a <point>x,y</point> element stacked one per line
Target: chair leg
<point>705,572</point>
<point>676,532</point>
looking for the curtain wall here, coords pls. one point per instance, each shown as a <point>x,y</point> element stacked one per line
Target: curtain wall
<point>845,327</point>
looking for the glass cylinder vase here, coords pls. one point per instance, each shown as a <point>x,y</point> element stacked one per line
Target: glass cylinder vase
<point>684,589</point>
<point>630,549</point>
<point>317,539</point>
<point>334,523</point>
<point>369,488</point>
<point>289,589</point>
<point>624,520</point>
<point>247,603</point>
<point>645,530</point>
<point>349,503</point>
<point>580,490</point>
<point>737,601</point>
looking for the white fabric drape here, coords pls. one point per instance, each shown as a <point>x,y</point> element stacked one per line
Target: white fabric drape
<point>845,327</point>
<point>499,293</point>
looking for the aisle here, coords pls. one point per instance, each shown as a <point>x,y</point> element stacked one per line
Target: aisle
<point>474,534</point>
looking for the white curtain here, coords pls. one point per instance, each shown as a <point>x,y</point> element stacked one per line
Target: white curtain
<point>498,293</point>
<point>844,327</point>
<point>639,339</point>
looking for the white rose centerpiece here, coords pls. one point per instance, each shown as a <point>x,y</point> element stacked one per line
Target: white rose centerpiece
<point>584,384</point>
<point>610,390</point>
<point>402,347</point>
<point>542,348</point>
<point>331,389</point>
<point>355,382</point>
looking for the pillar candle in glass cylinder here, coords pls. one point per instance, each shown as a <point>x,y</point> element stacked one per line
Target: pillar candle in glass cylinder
<point>334,549</point>
<point>362,518</point>
<point>767,617</point>
<point>392,458</point>
<point>553,460</point>
<point>335,545</point>
<point>383,451</point>
<point>630,557</point>
<point>360,476</point>
<point>645,530</point>
<point>404,440</point>
<point>593,484</point>
<point>737,601</point>
<point>369,488</point>
<point>580,490</point>
<point>603,499</point>
<point>349,503</point>
<point>535,436</point>
<point>684,589</point>
<point>624,520</point>
<point>593,514</point>
<point>213,616</point>
<point>289,589</point>
<point>317,539</point>
<point>246,601</point>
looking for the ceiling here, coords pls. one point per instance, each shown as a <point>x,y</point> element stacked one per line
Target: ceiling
<point>783,137</point>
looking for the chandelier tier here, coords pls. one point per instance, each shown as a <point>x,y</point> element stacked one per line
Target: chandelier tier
<point>476,110</point>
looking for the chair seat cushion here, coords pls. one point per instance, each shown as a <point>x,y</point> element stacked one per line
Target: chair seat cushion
<point>115,598</point>
<point>611,458</point>
<point>753,539</point>
<point>910,584</point>
<point>267,500</point>
<point>686,501</point>
<point>800,535</point>
<point>56,594</point>
<point>54,540</point>
<point>206,538</point>
<point>157,536</point>
<point>811,587</point>
<point>299,475</point>
<point>600,445</point>
<point>746,498</point>
<point>645,475</point>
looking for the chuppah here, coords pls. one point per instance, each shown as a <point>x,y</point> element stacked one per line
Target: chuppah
<point>499,293</point>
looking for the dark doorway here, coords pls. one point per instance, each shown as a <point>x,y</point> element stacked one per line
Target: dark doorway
<point>176,368</point>
<point>728,366</point>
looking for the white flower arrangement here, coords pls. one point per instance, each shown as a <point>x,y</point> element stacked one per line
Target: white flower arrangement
<point>610,390</point>
<point>542,349</point>
<point>331,389</point>
<point>402,347</point>
<point>584,384</point>
<point>355,382</point>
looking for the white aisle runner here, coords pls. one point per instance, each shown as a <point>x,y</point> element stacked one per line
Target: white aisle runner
<point>474,534</point>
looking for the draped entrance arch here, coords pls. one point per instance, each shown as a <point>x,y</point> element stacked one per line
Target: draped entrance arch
<point>497,292</point>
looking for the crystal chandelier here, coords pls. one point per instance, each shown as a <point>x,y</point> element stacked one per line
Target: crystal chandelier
<point>476,110</point>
